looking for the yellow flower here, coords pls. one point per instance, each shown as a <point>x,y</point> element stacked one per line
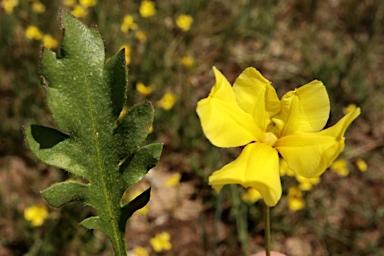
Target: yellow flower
<point>79,11</point>
<point>38,7</point>
<point>285,170</point>
<point>36,215</point>
<point>140,251</point>
<point>127,53</point>
<point>69,3</point>
<point>128,24</point>
<point>184,22</point>
<point>173,181</point>
<point>147,9</point>
<point>49,41</point>
<point>9,5</point>
<point>187,61</point>
<point>340,166</point>
<point>251,195</point>
<point>88,3</point>
<point>144,90</point>
<point>141,36</point>
<point>250,114</point>
<point>167,101</point>
<point>306,184</point>
<point>33,32</point>
<point>295,199</point>
<point>361,165</point>
<point>161,242</point>
<point>132,196</point>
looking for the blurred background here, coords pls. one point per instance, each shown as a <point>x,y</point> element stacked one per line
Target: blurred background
<point>171,47</point>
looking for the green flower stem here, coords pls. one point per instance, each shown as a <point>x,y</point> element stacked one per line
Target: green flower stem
<point>267,230</point>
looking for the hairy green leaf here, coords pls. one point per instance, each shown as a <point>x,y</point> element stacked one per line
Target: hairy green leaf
<point>86,95</point>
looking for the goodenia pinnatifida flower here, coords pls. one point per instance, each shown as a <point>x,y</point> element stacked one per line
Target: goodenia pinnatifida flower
<point>250,114</point>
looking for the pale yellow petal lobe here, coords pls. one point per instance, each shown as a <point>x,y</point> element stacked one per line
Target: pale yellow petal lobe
<point>305,109</point>
<point>256,96</point>
<point>257,167</point>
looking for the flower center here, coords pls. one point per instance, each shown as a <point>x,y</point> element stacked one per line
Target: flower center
<point>270,138</point>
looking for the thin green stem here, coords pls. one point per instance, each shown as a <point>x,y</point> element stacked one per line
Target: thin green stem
<point>267,230</point>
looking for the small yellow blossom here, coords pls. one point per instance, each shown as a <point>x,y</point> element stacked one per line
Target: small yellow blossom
<point>173,181</point>
<point>33,32</point>
<point>187,61</point>
<point>161,242</point>
<point>285,170</point>
<point>36,215</point>
<point>128,24</point>
<point>251,195</point>
<point>141,36</point>
<point>88,3</point>
<point>184,21</point>
<point>147,9</point>
<point>122,113</point>
<point>9,5</point>
<point>150,129</point>
<point>295,199</point>
<point>49,41</point>
<point>132,195</point>
<point>144,90</point>
<point>79,11</point>
<point>167,101</point>
<point>361,165</point>
<point>140,251</point>
<point>127,53</point>
<point>38,7</point>
<point>306,184</point>
<point>69,3</point>
<point>340,166</point>
<point>349,108</point>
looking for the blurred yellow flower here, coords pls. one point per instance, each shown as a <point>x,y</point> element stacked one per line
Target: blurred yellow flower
<point>349,108</point>
<point>33,32</point>
<point>340,166</point>
<point>141,36</point>
<point>9,5</point>
<point>127,53</point>
<point>69,3</point>
<point>361,165</point>
<point>173,180</point>
<point>147,9</point>
<point>251,195</point>
<point>167,101</point>
<point>38,7</point>
<point>132,195</point>
<point>306,184</point>
<point>36,215</point>
<point>187,61</point>
<point>88,3</point>
<point>250,114</point>
<point>161,242</point>
<point>79,11</point>
<point>140,251</point>
<point>144,90</point>
<point>285,170</point>
<point>128,24</point>
<point>295,199</point>
<point>49,41</point>
<point>150,130</point>
<point>184,21</point>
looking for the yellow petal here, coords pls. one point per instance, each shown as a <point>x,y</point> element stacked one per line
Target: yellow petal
<point>305,109</point>
<point>256,96</point>
<point>310,154</point>
<point>256,167</point>
<point>224,123</point>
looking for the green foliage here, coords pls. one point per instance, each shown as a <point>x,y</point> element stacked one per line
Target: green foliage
<point>86,96</point>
